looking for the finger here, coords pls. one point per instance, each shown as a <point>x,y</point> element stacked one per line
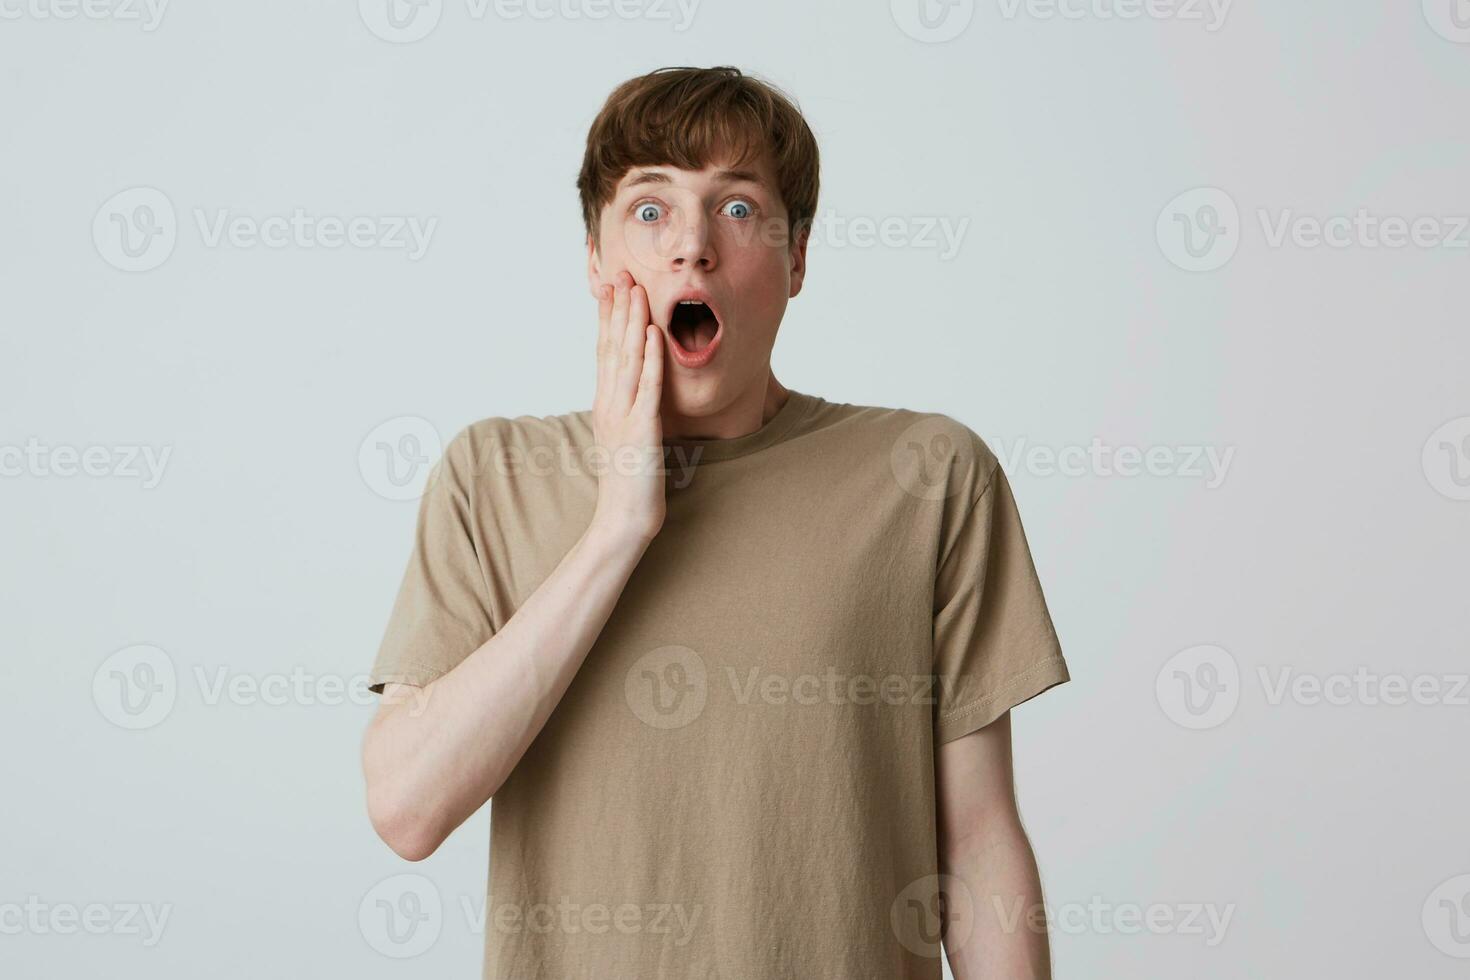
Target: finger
<point>606,360</point>
<point>604,309</point>
<point>651,381</point>
<point>618,320</point>
<point>616,323</point>
<point>630,358</point>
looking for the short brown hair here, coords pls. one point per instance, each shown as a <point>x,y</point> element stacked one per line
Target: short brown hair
<point>684,117</point>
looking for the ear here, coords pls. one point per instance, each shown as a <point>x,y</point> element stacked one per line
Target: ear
<point>594,268</point>
<point>798,258</point>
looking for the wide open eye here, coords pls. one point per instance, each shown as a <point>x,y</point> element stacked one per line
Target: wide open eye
<point>648,212</point>
<point>740,209</point>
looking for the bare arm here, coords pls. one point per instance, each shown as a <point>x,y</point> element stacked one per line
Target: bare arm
<point>432,756</point>
<point>984,846</point>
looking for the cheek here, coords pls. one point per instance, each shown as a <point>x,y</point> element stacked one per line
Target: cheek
<point>647,249</point>
<point>770,279</point>
<point>614,255</point>
<point>762,307</point>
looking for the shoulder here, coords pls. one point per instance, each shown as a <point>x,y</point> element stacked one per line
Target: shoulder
<point>503,445</point>
<point>525,432</point>
<point>932,455</point>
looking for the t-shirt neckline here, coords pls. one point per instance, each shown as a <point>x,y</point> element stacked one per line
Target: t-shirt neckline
<point>773,431</point>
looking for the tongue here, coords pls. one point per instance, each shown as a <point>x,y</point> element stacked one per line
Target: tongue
<point>695,337</point>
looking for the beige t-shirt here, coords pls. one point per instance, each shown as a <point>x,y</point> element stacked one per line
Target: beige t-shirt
<point>739,782</point>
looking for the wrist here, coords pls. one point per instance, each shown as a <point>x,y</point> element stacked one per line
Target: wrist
<point>616,536</point>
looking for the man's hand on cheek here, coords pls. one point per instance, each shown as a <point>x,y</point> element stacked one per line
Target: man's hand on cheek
<point>625,412</point>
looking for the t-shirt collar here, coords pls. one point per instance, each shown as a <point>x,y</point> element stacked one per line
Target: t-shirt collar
<point>775,429</point>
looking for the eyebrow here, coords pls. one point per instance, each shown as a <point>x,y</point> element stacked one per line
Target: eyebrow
<point>724,176</point>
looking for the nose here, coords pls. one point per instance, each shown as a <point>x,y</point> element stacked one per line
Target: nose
<point>692,246</point>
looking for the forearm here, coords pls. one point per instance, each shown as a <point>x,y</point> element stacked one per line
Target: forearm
<point>434,755</point>
<point>995,866</point>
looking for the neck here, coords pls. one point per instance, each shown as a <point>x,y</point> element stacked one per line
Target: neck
<point>749,411</point>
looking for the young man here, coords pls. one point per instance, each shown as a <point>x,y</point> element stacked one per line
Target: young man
<point>735,662</point>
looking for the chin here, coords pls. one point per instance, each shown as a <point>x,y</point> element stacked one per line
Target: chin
<point>696,395</point>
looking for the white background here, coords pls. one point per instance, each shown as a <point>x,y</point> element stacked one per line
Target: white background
<point>1334,542</point>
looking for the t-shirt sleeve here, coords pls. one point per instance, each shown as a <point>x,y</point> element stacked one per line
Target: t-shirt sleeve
<point>442,613</point>
<point>994,643</point>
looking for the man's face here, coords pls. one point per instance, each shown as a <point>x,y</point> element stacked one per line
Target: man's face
<point>719,233</point>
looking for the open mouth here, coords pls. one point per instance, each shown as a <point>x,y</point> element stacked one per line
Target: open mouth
<point>693,325</point>
<point>695,329</point>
